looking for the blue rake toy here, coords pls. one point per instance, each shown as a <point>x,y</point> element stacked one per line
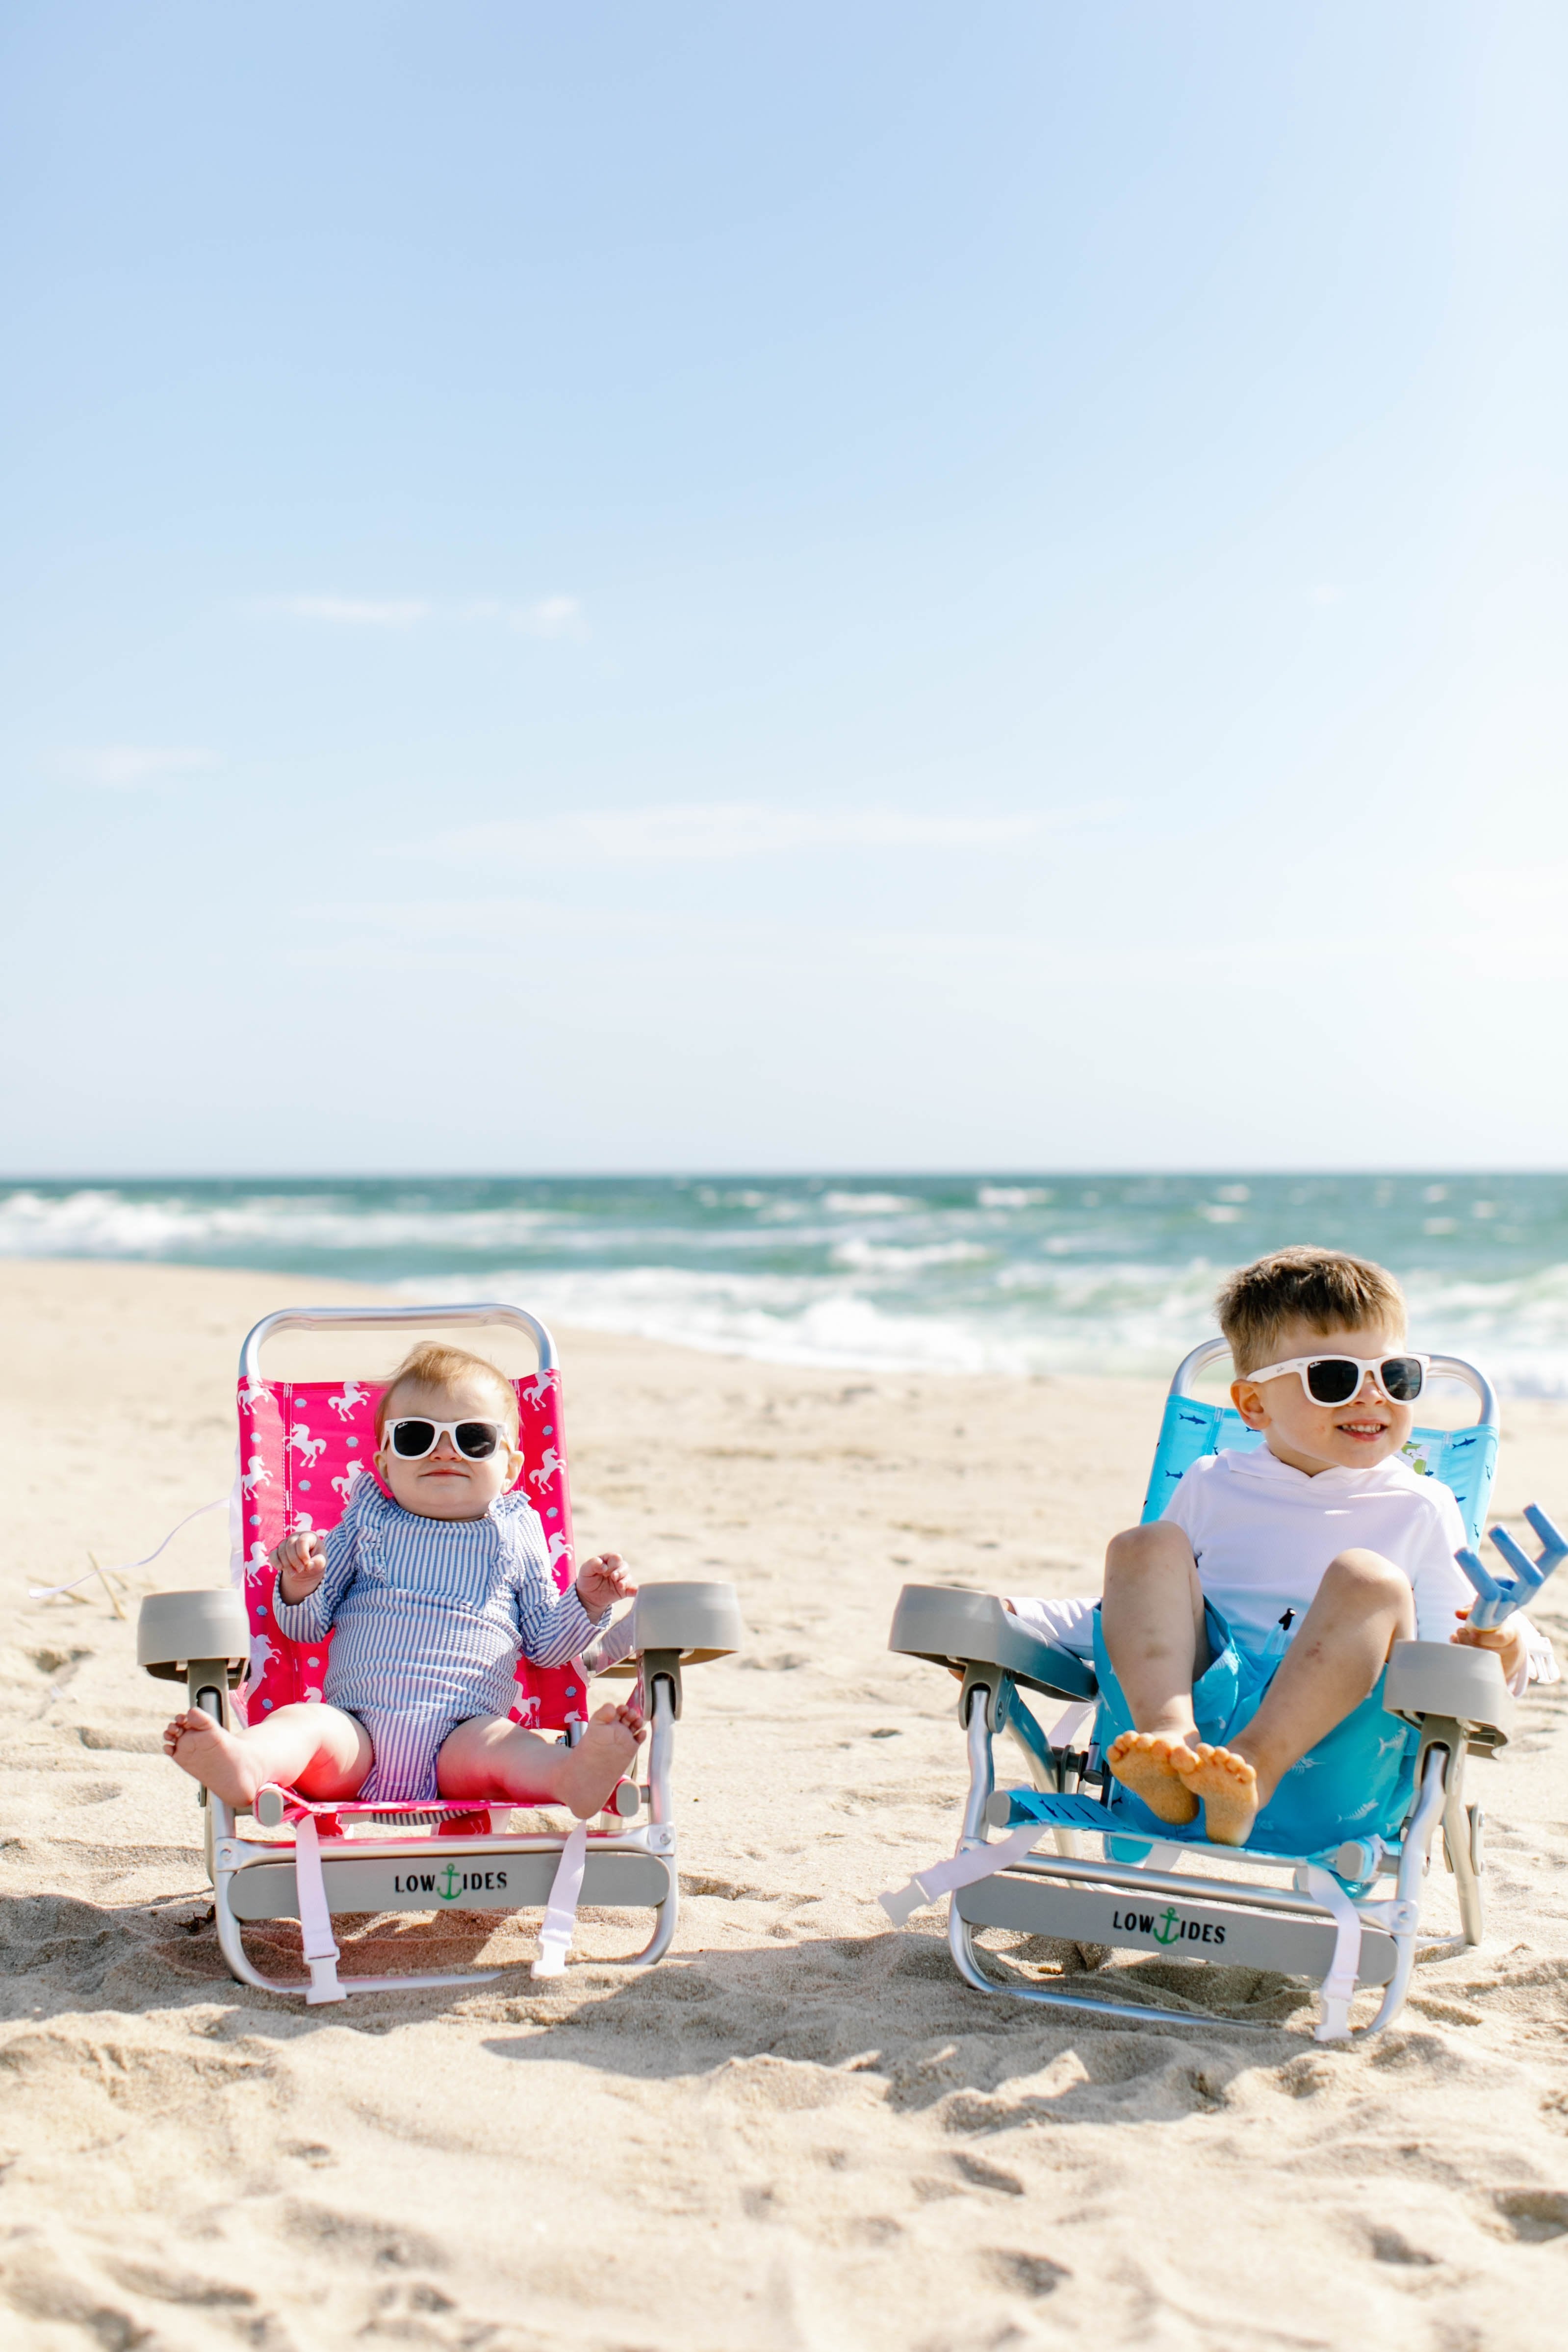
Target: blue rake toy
<point>1499,1597</point>
<point>1320,1915</point>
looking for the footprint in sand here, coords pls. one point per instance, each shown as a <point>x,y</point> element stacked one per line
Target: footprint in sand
<point>1227,1786</point>
<point>1145,1762</point>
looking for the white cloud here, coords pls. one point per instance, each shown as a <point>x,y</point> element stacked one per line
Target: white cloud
<point>357,612</point>
<point>551,616</point>
<point>547,617</point>
<point>134,767</point>
<point>704,831</point>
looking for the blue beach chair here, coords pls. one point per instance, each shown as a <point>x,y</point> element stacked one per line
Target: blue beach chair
<point>1324,1915</point>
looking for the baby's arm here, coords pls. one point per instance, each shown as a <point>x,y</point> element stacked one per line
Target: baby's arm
<point>552,1626</point>
<point>301,1563</point>
<point>604,1581</point>
<point>313,1574</point>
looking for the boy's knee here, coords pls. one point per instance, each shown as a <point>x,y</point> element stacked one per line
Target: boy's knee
<point>1156,1549</point>
<point>1370,1573</point>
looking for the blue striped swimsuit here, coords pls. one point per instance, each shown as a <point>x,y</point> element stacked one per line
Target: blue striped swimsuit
<point>427,1617</point>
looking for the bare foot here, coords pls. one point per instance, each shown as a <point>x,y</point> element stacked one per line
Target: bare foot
<point>212,1756</point>
<point>1145,1762</point>
<point>588,1772</point>
<point>1228,1788</point>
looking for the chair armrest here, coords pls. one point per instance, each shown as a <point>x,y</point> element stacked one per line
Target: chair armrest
<point>1448,1679</point>
<point>174,1630</point>
<point>697,1622</point>
<point>973,1628</point>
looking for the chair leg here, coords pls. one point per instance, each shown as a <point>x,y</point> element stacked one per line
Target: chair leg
<point>1460,1838</point>
<point>1458,1842</point>
<point>1432,1767</point>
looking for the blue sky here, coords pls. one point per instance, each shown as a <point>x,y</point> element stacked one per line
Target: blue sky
<point>708,587</point>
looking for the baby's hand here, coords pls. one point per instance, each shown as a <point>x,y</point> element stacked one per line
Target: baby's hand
<point>601,1580</point>
<point>1507,1640</point>
<point>301,1563</point>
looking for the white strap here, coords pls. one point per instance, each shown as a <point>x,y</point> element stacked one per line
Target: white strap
<point>124,1567</point>
<point>561,1916</point>
<point>1073,1718</point>
<point>315,1919</point>
<point>1338,1985</point>
<point>963,1869</point>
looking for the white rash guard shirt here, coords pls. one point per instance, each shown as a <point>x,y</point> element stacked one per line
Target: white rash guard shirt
<point>1263,1535</point>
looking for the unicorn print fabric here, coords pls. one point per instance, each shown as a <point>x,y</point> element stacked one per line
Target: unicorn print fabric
<point>428,1617</point>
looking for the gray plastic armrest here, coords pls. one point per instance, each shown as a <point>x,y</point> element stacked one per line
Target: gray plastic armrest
<point>1443,1678</point>
<point>697,1622</point>
<point>968,1629</point>
<point>174,1628</point>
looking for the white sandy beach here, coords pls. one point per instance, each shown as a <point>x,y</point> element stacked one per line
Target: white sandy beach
<point>801,2130</point>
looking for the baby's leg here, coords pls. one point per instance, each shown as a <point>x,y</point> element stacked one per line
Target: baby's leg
<point>318,1749</point>
<point>489,1756</point>
<point>1153,1621</point>
<point>1362,1607</point>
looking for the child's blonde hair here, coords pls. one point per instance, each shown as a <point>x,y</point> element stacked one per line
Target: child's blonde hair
<point>1329,1290</point>
<point>433,1365</point>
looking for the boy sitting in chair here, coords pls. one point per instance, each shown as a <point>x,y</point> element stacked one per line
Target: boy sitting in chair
<point>1242,1640</point>
<point>433,1588</point>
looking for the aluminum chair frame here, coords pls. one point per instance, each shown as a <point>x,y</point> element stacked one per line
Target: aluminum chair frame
<point>253,1874</point>
<point>1325,1918</point>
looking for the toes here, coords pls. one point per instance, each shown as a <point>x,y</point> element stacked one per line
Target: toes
<point>1133,1743</point>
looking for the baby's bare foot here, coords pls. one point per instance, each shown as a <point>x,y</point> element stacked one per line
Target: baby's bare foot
<point>1144,1761</point>
<point>611,1738</point>
<point>1228,1788</point>
<point>212,1756</point>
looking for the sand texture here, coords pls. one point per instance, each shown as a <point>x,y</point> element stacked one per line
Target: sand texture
<point>801,2130</point>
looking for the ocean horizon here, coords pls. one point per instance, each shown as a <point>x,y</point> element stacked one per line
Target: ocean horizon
<point>1046,1274</point>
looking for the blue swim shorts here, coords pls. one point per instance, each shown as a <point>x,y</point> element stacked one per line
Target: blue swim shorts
<point>1356,1782</point>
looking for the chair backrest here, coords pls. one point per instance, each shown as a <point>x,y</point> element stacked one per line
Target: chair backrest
<point>1464,1459</point>
<point>302,1446</point>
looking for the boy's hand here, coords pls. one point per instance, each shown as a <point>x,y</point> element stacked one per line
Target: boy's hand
<point>1505,1640</point>
<point>601,1580</point>
<point>301,1563</point>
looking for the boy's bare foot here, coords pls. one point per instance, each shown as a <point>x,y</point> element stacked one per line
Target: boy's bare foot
<point>212,1756</point>
<point>1145,1762</point>
<point>588,1772</point>
<point>1228,1788</point>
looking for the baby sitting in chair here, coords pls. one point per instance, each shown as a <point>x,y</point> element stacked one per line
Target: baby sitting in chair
<point>1240,1643</point>
<point>432,1594</point>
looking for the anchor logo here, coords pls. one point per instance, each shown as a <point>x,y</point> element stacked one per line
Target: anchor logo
<point>449,1892</point>
<point>1167,1931</point>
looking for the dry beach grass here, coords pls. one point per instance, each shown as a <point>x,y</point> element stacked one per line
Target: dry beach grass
<point>801,2131</point>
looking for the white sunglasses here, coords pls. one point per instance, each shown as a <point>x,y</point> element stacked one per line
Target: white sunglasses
<point>1336,1380</point>
<point>412,1438</point>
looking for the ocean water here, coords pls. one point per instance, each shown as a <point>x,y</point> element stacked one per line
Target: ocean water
<point>941,1273</point>
<point>1012,1274</point>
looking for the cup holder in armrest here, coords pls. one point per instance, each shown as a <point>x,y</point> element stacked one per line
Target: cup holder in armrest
<point>966,1629</point>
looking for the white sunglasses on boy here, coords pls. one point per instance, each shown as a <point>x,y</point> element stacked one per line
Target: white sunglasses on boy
<point>1338,1380</point>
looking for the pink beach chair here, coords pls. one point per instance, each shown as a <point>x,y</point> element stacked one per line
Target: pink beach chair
<point>302,1446</point>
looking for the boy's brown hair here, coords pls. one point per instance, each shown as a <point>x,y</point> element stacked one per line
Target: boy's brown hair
<point>433,1365</point>
<point>1327,1290</point>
